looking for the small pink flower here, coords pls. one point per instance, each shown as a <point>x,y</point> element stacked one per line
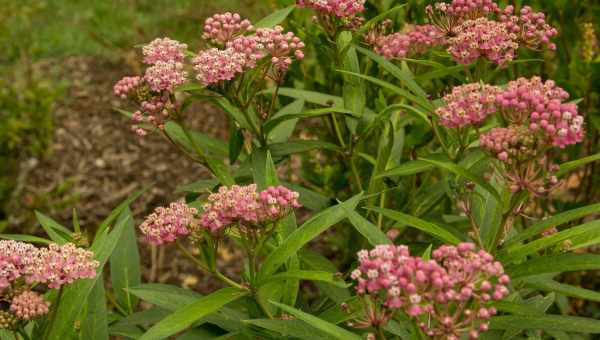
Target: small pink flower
<point>57,265</point>
<point>165,76</point>
<point>416,40</point>
<point>214,65</point>
<point>166,224</point>
<point>282,47</point>
<point>29,305</point>
<point>16,259</point>
<point>125,87</point>
<point>530,27</point>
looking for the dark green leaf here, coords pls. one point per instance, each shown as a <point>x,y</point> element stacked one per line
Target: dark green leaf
<point>275,18</point>
<point>555,264</point>
<point>125,269</point>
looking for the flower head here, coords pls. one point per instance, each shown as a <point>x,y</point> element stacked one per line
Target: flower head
<point>282,47</point>
<point>483,38</point>
<point>338,8</point>
<point>221,28</point>
<point>530,28</point>
<point>447,17</point>
<point>244,205</point>
<point>126,86</point>
<point>29,305</point>
<point>57,265</point>
<point>214,65</point>
<point>468,104</point>
<point>16,259</point>
<point>457,278</point>
<point>164,50</point>
<point>416,40</point>
<point>165,76</point>
<point>166,224</point>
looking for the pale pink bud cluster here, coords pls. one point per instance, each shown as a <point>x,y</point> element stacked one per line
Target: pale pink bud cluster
<point>511,144</point>
<point>126,86</point>
<point>483,38</point>
<point>338,8</point>
<point>430,291</point>
<point>223,27</point>
<point>530,27</point>
<point>29,305</point>
<point>165,76</point>
<point>166,224</point>
<point>282,47</point>
<point>57,265</point>
<point>447,17</point>
<point>155,111</point>
<point>16,259</point>
<point>246,206</point>
<point>250,47</point>
<point>543,105</point>
<point>417,40</point>
<point>468,104</point>
<point>164,50</point>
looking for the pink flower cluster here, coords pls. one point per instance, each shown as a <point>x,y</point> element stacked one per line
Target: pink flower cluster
<point>166,224</point>
<point>468,104</point>
<point>221,28</point>
<point>244,52</point>
<point>164,50</point>
<point>530,27</point>
<point>543,105</point>
<point>126,86</point>
<point>338,8</point>
<point>16,261</point>
<point>483,38</point>
<point>165,76</point>
<point>54,266</point>
<point>447,17</point>
<point>57,265</point>
<point>432,291</point>
<point>417,40</point>
<point>510,145</point>
<point>244,205</point>
<point>29,305</point>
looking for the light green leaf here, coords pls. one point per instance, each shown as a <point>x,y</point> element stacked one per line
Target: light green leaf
<point>275,18</point>
<point>367,229</point>
<point>25,238</point>
<point>307,275</point>
<point>125,269</point>
<point>289,148</point>
<point>308,231</point>
<point>550,285</point>
<point>95,323</point>
<point>427,227</point>
<point>185,316</point>
<point>309,96</point>
<point>547,322</point>
<point>570,166</point>
<point>332,330</point>
<point>165,296</point>
<point>555,264</point>
<point>55,231</point>
<point>274,122</point>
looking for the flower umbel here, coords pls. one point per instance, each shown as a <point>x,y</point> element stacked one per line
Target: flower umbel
<point>166,224</point>
<point>29,305</point>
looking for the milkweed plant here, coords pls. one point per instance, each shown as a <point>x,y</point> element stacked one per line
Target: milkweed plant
<point>445,156</point>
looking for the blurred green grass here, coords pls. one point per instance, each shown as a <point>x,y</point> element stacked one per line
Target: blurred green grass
<point>60,28</point>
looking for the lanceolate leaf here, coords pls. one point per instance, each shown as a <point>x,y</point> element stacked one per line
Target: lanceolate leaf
<point>367,229</point>
<point>570,166</point>
<point>550,285</point>
<point>125,269</point>
<point>185,316</point>
<point>275,18</point>
<point>309,230</point>
<point>334,331</point>
<point>310,96</point>
<point>427,227</point>
<point>293,147</point>
<point>547,322</point>
<point>55,231</point>
<point>555,264</point>
<point>273,123</point>
<point>308,275</point>
<point>165,296</point>
<point>462,172</point>
<point>95,322</point>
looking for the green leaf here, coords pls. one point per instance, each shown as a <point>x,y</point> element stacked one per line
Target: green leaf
<point>371,23</point>
<point>308,231</point>
<point>297,329</point>
<point>554,221</point>
<point>265,173</point>
<point>233,112</point>
<point>332,330</point>
<point>405,77</point>
<point>55,231</point>
<point>550,285</point>
<point>570,166</point>
<point>547,322</point>
<point>274,122</point>
<point>95,323</point>
<point>207,144</point>
<point>462,172</point>
<point>25,238</point>
<point>353,90</point>
<point>316,261</point>
<point>283,131</point>
<point>115,213</point>
<point>367,229</point>
<point>75,295</point>
<point>555,264</point>
<point>125,269</point>
<point>310,199</point>
<point>309,96</point>
<point>399,91</point>
<point>408,168</point>
<point>307,275</point>
<point>289,148</point>
<point>201,186</point>
<point>427,227</point>
<point>165,296</point>
<point>519,251</point>
<point>130,326</point>
<point>275,18</point>
<point>236,143</point>
<point>185,316</point>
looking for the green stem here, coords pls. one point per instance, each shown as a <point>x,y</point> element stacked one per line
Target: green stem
<point>23,334</point>
<point>380,333</point>
<point>355,173</point>
<point>338,131</point>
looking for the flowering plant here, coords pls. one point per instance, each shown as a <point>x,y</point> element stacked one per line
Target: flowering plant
<point>428,156</point>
